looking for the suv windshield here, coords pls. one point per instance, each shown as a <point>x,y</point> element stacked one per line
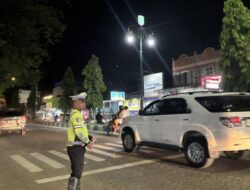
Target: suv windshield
<point>225,103</point>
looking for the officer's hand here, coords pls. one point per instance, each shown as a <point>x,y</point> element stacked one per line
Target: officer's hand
<point>90,146</point>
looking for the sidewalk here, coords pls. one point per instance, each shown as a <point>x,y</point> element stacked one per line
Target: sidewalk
<point>90,126</point>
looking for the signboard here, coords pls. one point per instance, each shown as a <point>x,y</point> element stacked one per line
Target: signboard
<point>133,106</point>
<point>49,105</point>
<point>152,84</point>
<point>211,82</point>
<point>117,95</point>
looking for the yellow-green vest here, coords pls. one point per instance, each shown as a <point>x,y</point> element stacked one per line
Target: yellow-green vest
<point>77,129</point>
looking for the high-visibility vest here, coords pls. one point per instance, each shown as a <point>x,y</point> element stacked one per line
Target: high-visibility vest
<point>77,129</point>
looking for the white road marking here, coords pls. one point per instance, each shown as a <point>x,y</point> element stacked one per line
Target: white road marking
<point>96,171</point>
<point>115,145</point>
<point>103,153</point>
<point>59,154</point>
<point>106,153</point>
<point>47,160</point>
<point>95,158</point>
<point>108,148</point>
<point>25,164</point>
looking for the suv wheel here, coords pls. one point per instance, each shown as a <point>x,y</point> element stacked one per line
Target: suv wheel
<point>128,141</point>
<point>196,154</point>
<point>235,155</point>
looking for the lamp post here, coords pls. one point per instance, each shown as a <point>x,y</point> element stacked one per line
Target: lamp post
<point>36,93</point>
<point>150,42</point>
<point>36,102</point>
<point>141,66</point>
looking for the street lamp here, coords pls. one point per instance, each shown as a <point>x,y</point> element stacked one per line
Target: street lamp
<point>130,37</point>
<point>150,41</point>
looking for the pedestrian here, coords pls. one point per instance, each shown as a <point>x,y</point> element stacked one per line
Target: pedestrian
<point>78,140</point>
<point>98,117</point>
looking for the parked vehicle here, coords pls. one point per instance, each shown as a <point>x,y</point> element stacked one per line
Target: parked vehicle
<point>12,120</point>
<point>202,125</point>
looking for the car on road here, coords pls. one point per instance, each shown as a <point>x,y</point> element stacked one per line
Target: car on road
<point>12,120</point>
<point>203,125</point>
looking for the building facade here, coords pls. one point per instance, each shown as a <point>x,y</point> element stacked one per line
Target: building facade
<point>190,70</point>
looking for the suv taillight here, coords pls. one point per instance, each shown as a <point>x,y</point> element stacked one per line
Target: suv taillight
<point>231,121</point>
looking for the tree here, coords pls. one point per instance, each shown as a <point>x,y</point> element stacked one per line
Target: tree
<point>12,97</point>
<point>235,47</point>
<point>69,89</point>
<point>93,82</point>
<point>27,29</point>
<point>55,102</point>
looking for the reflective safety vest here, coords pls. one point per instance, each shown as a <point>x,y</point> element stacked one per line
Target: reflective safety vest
<point>77,129</point>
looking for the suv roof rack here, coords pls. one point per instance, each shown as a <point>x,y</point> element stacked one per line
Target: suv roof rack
<point>194,92</point>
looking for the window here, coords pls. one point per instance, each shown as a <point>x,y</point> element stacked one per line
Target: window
<point>154,108</point>
<point>225,103</point>
<point>175,106</point>
<point>209,70</point>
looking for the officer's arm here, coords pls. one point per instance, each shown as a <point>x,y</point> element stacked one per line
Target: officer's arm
<point>80,131</point>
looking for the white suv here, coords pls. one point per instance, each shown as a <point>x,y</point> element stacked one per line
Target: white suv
<point>203,125</point>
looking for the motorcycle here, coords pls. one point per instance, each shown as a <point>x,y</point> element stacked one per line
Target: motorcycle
<point>113,125</point>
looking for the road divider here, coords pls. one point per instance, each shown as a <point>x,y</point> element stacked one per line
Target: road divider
<point>90,126</point>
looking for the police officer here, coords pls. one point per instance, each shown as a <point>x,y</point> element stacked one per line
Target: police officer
<point>78,139</point>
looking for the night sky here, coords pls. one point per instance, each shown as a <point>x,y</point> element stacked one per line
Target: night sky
<point>99,27</point>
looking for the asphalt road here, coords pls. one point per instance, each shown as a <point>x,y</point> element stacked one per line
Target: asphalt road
<point>38,161</point>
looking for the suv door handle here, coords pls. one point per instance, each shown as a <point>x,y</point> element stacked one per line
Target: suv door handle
<point>156,119</point>
<point>186,119</point>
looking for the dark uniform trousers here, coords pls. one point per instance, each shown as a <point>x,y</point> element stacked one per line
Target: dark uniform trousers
<point>76,156</point>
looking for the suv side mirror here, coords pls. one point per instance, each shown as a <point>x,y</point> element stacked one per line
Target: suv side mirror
<point>140,112</point>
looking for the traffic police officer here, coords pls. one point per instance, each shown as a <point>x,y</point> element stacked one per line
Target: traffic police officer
<point>78,139</point>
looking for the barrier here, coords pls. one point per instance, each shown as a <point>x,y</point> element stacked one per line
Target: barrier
<point>90,126</point>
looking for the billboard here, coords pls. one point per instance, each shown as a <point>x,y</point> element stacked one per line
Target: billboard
<point>117,95</point>
<point>153,83</point>
<point>211,82</point>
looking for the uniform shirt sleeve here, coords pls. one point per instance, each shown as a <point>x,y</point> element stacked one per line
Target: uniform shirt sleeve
<point>80,128</point>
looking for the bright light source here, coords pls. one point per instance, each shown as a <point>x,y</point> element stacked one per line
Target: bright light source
<point>47,97</point>
<point>13,78</point>
<point>151,41</point>
<point>130,38</point>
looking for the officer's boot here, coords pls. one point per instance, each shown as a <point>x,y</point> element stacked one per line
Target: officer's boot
<point>78,185</point>
<point>73,181</point>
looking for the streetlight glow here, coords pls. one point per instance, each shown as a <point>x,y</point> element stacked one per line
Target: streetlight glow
<point>130,38</point>
<point>151,41</point>
<point>13,78</point>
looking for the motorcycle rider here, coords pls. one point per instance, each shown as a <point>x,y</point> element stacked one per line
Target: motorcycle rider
<point>118,120</point>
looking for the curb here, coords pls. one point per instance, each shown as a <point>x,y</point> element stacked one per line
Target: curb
<point>92,127</point>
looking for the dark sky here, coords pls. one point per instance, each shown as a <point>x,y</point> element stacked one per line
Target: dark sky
<point>99,27</point>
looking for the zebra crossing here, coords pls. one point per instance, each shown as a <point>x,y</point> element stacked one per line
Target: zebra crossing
<point>100,154</point>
